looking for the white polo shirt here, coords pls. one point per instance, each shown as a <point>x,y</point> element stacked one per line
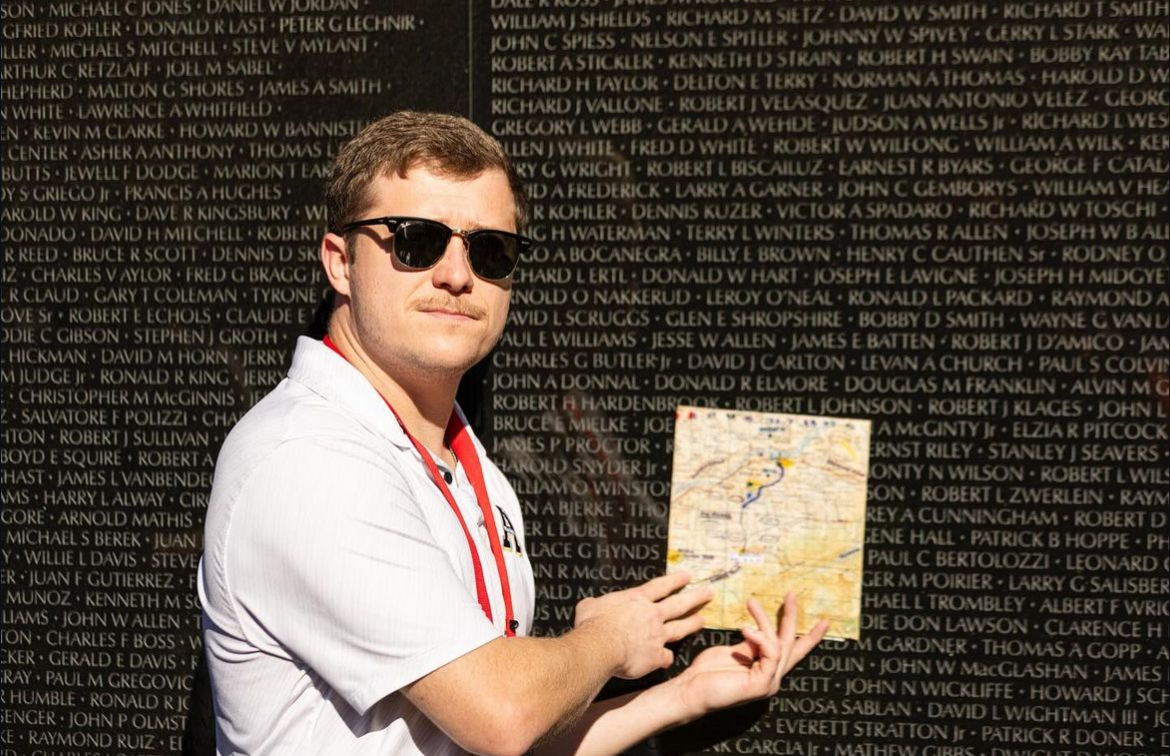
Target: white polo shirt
<point>335,572</point>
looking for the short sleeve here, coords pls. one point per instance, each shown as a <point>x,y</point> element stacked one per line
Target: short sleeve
<point>331,561</point>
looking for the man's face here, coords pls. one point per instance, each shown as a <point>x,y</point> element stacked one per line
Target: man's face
<point>434,323</point>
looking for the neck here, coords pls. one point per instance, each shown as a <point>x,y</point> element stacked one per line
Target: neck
<point>423,403</point>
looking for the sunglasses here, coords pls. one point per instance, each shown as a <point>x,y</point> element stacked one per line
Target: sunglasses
<point>420,244</point>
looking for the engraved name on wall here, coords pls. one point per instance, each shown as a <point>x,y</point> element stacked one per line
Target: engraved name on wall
<point>948,218</point>
<point>162,175</point>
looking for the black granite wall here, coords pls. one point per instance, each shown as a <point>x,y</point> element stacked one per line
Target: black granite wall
<point>947,217</point>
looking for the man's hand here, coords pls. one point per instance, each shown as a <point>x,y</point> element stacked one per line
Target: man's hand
<point>640,621</point>
<point>552,680</point>
<point>718,678</point>
<point>724,676</point>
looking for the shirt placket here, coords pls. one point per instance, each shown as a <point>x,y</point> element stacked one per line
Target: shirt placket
<point>464,494</point>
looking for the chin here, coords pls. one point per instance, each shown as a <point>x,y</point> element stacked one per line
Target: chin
<point>453,360</point>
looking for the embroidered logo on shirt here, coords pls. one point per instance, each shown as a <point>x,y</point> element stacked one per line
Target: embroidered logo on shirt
<point>509,541</point>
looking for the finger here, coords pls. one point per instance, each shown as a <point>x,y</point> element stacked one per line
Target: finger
<point>787,638</point>
<point>771,649</point>
<point>763,621</point>
<point>807,643</point>
<point>684,602</point>
<point>754,640</point>
<point>770,646</point>
<point>767,660</point>
<point>661,587</point>
<point>681,628</point>
<point>667,659</point>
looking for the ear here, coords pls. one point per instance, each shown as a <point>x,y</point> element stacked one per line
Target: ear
<point>335,260</point>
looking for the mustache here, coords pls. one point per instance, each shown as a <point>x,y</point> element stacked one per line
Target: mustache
<point>451,305</point>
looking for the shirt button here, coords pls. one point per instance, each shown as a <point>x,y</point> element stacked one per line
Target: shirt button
<point>448,477</point>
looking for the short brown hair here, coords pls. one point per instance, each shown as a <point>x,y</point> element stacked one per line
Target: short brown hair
<point>446,144</point>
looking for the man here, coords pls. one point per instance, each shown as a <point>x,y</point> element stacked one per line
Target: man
<point>360,594</point>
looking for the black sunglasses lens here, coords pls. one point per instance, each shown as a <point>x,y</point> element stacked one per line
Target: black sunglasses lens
<point>419,244</point>
<point>493,255</point>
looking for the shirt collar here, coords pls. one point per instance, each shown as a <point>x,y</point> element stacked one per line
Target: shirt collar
<point>326,373</point>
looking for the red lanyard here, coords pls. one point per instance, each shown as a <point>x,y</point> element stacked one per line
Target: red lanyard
<point>459,440</point>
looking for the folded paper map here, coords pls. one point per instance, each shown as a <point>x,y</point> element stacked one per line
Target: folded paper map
<point>764,503</point>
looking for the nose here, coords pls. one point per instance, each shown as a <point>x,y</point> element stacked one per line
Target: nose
<point>453,272</point>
